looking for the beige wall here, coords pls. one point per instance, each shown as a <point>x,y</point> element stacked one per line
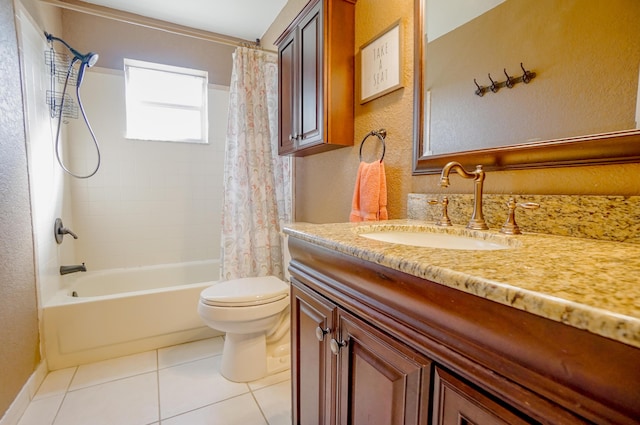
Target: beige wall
<point>114,40</point>
<point>324,182</point>
<point>19,350</point>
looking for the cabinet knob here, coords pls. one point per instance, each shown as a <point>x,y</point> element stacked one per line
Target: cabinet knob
<point>320,333</point>
<point>335,346</point>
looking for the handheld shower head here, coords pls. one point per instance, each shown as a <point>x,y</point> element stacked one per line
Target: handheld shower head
<point>91,58</point>
<point>87,60</point>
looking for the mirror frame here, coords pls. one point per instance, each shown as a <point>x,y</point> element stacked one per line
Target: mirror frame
<point>597,149</point>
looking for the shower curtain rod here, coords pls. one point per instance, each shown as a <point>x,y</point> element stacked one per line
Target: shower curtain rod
<point>157,24</point>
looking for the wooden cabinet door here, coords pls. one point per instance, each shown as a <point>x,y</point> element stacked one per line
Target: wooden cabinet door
<point>457,403</point>
<point>287,87</point>
<point>381,381</point>
<point>313,366</point>
<point>311,42</point>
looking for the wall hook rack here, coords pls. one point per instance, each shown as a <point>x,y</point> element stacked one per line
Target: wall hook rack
<point>481,89</point>
<point>525,78</point>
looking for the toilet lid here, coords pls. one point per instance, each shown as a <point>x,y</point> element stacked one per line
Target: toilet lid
<point>245,292</point>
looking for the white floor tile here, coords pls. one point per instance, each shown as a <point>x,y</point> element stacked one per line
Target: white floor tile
<point>193,385</point>
<point>181,382</point>
<point>178,354</point>
<point>109,370</point>
<point>42,411</point>
<point>241,410</point>
<point>55,383</point>
<point>275,402</point>
<point>270,380</point>
<point>129,401</point>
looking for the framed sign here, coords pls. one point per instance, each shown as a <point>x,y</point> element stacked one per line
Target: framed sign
<point>380,64</point>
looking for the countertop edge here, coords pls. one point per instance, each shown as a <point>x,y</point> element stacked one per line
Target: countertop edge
<point>609,324</point>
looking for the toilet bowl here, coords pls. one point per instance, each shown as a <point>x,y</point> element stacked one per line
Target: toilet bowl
<point>254,314</point>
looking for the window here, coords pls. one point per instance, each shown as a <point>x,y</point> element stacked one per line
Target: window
<point>165,102</point>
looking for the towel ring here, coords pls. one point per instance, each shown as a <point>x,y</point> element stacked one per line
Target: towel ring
<point>380,134</point>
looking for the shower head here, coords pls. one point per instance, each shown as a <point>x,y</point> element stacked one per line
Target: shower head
<point>90,59</point>
<point>87,60</point>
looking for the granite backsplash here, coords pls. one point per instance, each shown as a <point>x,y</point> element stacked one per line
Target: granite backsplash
<point>611,218</point>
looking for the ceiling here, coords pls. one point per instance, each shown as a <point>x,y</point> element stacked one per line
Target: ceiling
<point>246,19</point>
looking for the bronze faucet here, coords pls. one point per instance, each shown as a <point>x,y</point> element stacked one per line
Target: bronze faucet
<point>477,219</point>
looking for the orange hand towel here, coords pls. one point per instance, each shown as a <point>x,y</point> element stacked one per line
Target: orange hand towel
<point>370,193</point>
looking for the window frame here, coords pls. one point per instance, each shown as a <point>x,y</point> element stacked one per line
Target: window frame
<point>131,101</point>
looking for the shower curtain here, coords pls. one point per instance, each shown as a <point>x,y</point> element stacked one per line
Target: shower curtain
<point>257,182</point>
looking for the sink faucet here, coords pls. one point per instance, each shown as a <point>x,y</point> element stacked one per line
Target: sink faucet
<point>72,269</point>
<point>477,219</point>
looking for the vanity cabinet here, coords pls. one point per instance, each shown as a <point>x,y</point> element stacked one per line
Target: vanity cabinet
<point>372,345</point>
<point>316,79</point>
<point>457,403</point>
<point>350,372</point>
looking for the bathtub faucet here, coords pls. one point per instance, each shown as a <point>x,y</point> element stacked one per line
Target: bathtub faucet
<point>72,269</point>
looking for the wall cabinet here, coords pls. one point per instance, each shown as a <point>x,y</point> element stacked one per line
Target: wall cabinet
<point>372,345</point>
<point>316,79</point>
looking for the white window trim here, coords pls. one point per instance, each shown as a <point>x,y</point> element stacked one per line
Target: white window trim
<point>204,115</point>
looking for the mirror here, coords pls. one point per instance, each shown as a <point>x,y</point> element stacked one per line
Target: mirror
<point>580,108</point>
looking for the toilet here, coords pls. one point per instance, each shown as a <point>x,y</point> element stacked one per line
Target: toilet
<point>254,314</point>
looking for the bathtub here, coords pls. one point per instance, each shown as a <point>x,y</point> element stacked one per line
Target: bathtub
<point>113,313</point>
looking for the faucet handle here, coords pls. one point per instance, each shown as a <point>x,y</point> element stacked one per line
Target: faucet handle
<point>510,227</point>
<point>59,231</point>
<point>444,220</point>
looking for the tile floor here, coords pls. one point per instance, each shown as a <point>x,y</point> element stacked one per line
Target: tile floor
<point>178,385</point>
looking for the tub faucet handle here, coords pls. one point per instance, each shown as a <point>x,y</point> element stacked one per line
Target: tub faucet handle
<point>66,231</point>
<point>59,231</point>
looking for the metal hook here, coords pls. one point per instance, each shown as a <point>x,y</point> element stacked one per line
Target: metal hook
<point>480,91</point>
<point>509,82</point>
<point>526,76</point>
<point>494,86</point>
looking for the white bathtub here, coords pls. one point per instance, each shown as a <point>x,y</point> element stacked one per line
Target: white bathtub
<point>125,311</point>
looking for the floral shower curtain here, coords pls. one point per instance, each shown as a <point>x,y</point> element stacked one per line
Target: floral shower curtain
<point>257,182</point>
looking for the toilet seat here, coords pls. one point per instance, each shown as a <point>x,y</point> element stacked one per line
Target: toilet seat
<point>251,291</point>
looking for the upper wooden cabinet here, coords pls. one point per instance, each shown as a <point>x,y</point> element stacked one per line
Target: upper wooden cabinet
<point>316,79</point>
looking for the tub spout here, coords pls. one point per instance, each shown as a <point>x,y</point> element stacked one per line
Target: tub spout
<point>72,269</point>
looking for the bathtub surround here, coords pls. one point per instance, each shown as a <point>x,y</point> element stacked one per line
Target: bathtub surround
<point>610,218</point>
<point>257,195</point>
<point>151,202</point>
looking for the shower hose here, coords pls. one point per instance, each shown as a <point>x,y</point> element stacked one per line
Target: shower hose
<point>84,115</point>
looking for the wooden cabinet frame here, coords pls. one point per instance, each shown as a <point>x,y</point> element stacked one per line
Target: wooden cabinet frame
<point>316,61</point>
<point>547,371</point>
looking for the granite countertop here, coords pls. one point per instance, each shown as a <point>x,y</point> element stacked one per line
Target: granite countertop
<point>589,284</point>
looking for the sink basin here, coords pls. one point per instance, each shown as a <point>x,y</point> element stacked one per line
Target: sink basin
<point>425,238</point>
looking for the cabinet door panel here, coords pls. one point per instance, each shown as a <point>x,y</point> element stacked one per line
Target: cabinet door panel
<point>313,366</point>
<point>287,89</point>
<point>457,403</point>
<point>311,78</point>
<point>382,382</point>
